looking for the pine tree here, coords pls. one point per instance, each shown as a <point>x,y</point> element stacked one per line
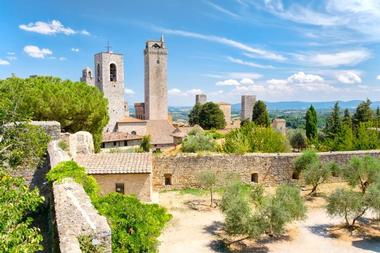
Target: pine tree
<point>333,123</point>
<point>260,115</point>
<point>194,115</point>
<point>363,114</point>
<point>347,119</point>
<point>311,124</point>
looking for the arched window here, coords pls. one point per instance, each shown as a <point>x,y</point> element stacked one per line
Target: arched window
<point>113,72</point>
<point>133,132</point>
<point>89,74</point>
<point>98,72</point>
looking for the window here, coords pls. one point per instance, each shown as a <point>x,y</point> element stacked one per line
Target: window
<point>255,177</point>
<point>133,132</point>
<point>98,72</point>
<point>168,179</point>
<point>89,74</point>
<point>114,143</point>
<point>119,187</point>
<point>125,143</point>
<point>295,175</point>
<point>158,61</point>
<point>113,73</point>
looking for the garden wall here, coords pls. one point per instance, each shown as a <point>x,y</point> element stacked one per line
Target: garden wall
<point>271,169</point>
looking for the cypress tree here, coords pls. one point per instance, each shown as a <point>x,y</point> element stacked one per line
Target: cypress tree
<point>311,124</point>
<point>260,115</point>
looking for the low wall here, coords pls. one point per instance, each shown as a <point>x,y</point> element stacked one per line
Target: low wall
<point>270,168</point>
<point>74,213</point>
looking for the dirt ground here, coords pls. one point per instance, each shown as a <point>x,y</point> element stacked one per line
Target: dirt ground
<point>196,227</point>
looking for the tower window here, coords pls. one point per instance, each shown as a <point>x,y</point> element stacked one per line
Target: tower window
<point>119,187</point>
<point>158,61</point>
<point>113,73</point>
<point>89,74</point>
<point>98,72</point>
<point>133,132</point>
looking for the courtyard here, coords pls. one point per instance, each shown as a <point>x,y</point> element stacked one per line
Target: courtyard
<point>196,227</point>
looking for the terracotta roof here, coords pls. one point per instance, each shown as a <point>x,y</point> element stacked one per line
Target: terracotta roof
<point>120,136</point>
<point>127,119</point>
<point>116,163</point>
<point>160,131</point>
<point>184,131</point>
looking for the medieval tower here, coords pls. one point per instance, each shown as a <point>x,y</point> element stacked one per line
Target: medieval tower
<point>155,80</point>
<point>109,78</point>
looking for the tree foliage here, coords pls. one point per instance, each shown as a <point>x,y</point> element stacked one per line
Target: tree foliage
<point>298,140</point>
<point>260,115</point>
<point>17,202</point>
<point>251,213</point>
<point>208,180</point>
<point>316,174</point>
<point>363,113</point>
<point>77,106</point>
<point>135,226</point>
<point>251,138</point>
<point>311,124</point>
<point>198,142</point>
<point>146,143</point>
<point>304,161</point>
<point>208,116</point>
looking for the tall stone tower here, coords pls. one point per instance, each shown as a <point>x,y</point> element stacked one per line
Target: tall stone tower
<point>200,99</point>
<point>155,80</point>
<point>87,76</point>
<point>109,78</point>
<point>246,110</point>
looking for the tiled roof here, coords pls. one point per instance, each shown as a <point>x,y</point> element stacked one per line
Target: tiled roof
<point>116,163</point>
<point>127,119</point>
<point>120,136</point>
<point>160,131</point>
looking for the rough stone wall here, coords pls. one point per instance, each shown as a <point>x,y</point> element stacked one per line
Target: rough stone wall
<point>155,80</point>
<point>76,216</point>
<point>52,128</point>
<point>247,103</point>
<point>226,109</point>
<point>112,90</point>
<point>138,127</point>
<point>137,184</point>
<point>74,213</point>
<point>81,143</point>
<point>200,99</point>
<point>271,168</point>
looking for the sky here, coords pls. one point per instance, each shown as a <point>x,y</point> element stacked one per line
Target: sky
<point>278,50</point>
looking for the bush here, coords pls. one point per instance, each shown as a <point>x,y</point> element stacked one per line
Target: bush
<point>16,205</point>
<point>208,116</point>
<point>71,169</point>
<point>250,138</point>
<point>135,226</point>
<point>145,143</point>
<point>250,213</point>
<point>298,141</point>
<point>198,142</point>
<point>214,134</point>
<point>316,174</point>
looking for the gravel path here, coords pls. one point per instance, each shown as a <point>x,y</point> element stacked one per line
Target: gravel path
<point>193,231</point>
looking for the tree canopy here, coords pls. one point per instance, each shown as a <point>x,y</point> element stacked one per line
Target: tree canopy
<point>311,124</point>
<point>208,116</point>
<point>77,106</point>
<point>260,115</point>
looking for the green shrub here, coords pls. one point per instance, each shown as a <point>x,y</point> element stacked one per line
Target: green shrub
<point>73,170</point>
<point>316,174</point>
<point>214,134</point>
<point>198,142</point>
<point>135,226</point>
<point>298,140</point>
<point>17,202</point>
<point>146,143</point>
<point>250,138</point>
<point>304,161</point>
<point>87,246</point>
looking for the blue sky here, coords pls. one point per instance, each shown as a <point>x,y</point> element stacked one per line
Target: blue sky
<point>279,50</point>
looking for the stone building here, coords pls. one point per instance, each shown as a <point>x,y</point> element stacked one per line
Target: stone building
<point>140,110</point>
<point>132,126</point>
<point>200,99</point>
<point>109,78</point>
<point>246,110</point>
<point>87,76</point>
<point>226,109</point>
<point>120,139</point>
<point>155,80</point>
<point>279,125</point>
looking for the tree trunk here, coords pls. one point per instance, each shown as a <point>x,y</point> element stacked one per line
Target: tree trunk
<point>357,217</point>
<point>211,197</point>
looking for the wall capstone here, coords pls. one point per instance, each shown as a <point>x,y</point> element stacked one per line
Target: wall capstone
<point>52,128</point>
<point>81,143</point>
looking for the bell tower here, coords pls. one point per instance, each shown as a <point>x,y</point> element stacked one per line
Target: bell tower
<point>155,80</point>
<point>109,78</point>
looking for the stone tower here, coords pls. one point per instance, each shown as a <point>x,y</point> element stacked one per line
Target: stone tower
<point>246,110</point>
<point>200,99</point>
<point>109,78</point>
<point>155,80</point>
<point>87,76</point>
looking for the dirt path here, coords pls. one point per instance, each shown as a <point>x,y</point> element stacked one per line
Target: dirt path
<point>197,231</point>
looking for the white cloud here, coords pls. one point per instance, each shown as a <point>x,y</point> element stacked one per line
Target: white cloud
<point>36,52</point>
<point>235,75</point>
<point>228,82</point>
<point>246,81</point>
<point>76,50</point>
<point>128,92</point>
<point>4,62</point>
<point>223,10</point>
<point>62,58</point>
<point>178,92</point>
<point>50,28</point>
<point>250,64</point>
<point>343,58</point>
<point>378,77</point>
<point>228,42</point>
<point>348,77</point>
<point>11,53</point>
<point>301,77</point>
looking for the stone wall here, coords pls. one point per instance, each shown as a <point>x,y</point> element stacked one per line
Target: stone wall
<point>270,168</point>
<point>74,213</point>
<point>52,128</point>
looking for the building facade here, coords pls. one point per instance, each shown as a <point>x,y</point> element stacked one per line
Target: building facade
<point>246,110</point>
<point>200,99</point>
<point>155,80</point>
<point>226,109</point>
<point>87,76</point>
<point>109,78</point>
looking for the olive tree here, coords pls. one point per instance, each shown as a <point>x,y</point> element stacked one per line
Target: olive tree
<point>208,180</point>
